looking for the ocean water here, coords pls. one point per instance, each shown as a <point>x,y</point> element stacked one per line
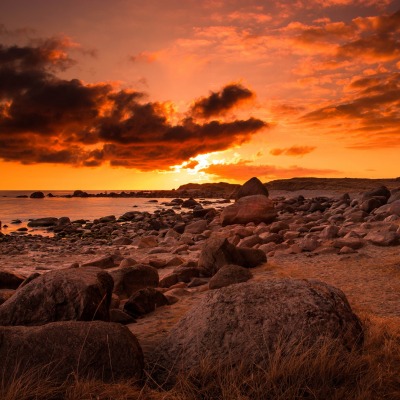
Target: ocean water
<point>89,208</point>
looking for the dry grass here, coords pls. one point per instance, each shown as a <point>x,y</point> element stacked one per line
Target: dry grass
<point>318,373</point>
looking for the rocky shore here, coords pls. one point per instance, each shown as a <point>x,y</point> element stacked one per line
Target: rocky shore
<point>191,282</point>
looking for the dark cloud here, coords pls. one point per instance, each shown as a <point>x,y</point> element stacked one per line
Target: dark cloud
<point>293,151</point>
<point>46,119</point>
<point>218,103</point>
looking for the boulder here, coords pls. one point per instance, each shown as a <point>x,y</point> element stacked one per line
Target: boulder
<point>381,191</point>
<point>251,257</point>
<point>9,280</point>
<point>228,275</point>
<point>252,187</point>
<point>128,280</point>
<point>196,227</point>
<point>389,209</point>
<point>257,209</point>
<point>217,252</point>
<point>244,323</point>
<point>43,222</point>
<point>101,350</point>
<point>144,301</point>
<point>37,195</point>
<point>63,295</point>
<point>395,196</point>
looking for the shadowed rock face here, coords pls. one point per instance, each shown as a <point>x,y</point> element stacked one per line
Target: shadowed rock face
<point>9,280</point>
<point>250,188</point>
<point>63,295</point>
<point>128,280</point>
<point>89,349</point>
<point>218,252</point>
<point>252,318</point>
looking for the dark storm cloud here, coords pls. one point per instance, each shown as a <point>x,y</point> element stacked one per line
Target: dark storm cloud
<point>219,102</point>
<point>46,119</point>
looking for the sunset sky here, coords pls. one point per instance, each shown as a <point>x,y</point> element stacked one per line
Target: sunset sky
<point>154,94</point>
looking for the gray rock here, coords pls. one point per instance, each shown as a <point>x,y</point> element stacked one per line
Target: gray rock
<point>257,209</point>
<point>101,350</point>
<point>63,295</point>
<point>244,323</point>
<point>128,280</point>
<point>228,275</point>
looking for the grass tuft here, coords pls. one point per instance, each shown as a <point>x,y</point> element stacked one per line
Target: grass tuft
<point>322,372</point>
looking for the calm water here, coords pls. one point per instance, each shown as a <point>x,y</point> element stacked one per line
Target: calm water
<point>75,208</point>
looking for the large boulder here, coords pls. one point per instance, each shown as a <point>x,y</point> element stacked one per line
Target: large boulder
<point>101,350</point>
<point>63,295</point>
<point>8,280</point>
<point>129,280</point>
<point>256,208</point>
<point>250,188</point>
<point>254,318</point>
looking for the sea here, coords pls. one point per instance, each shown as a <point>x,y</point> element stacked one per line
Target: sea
<point>88,208</point>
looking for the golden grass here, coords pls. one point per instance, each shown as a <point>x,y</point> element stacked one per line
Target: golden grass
<point>322,373</point>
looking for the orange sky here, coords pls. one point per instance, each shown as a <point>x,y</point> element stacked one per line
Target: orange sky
<point>128,95</point>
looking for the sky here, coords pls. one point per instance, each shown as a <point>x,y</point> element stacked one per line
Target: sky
<point>127,95</point>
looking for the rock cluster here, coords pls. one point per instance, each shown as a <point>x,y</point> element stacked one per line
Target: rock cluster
<point>137,263</point>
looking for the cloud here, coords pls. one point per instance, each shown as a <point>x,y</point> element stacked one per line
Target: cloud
<point>293,151</point>
<point>46,119</point>
<point>243,170</point>
<point>371,113</point>
<point>218,103</point>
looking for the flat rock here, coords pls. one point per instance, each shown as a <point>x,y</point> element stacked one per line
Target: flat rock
<point>43,222</point>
